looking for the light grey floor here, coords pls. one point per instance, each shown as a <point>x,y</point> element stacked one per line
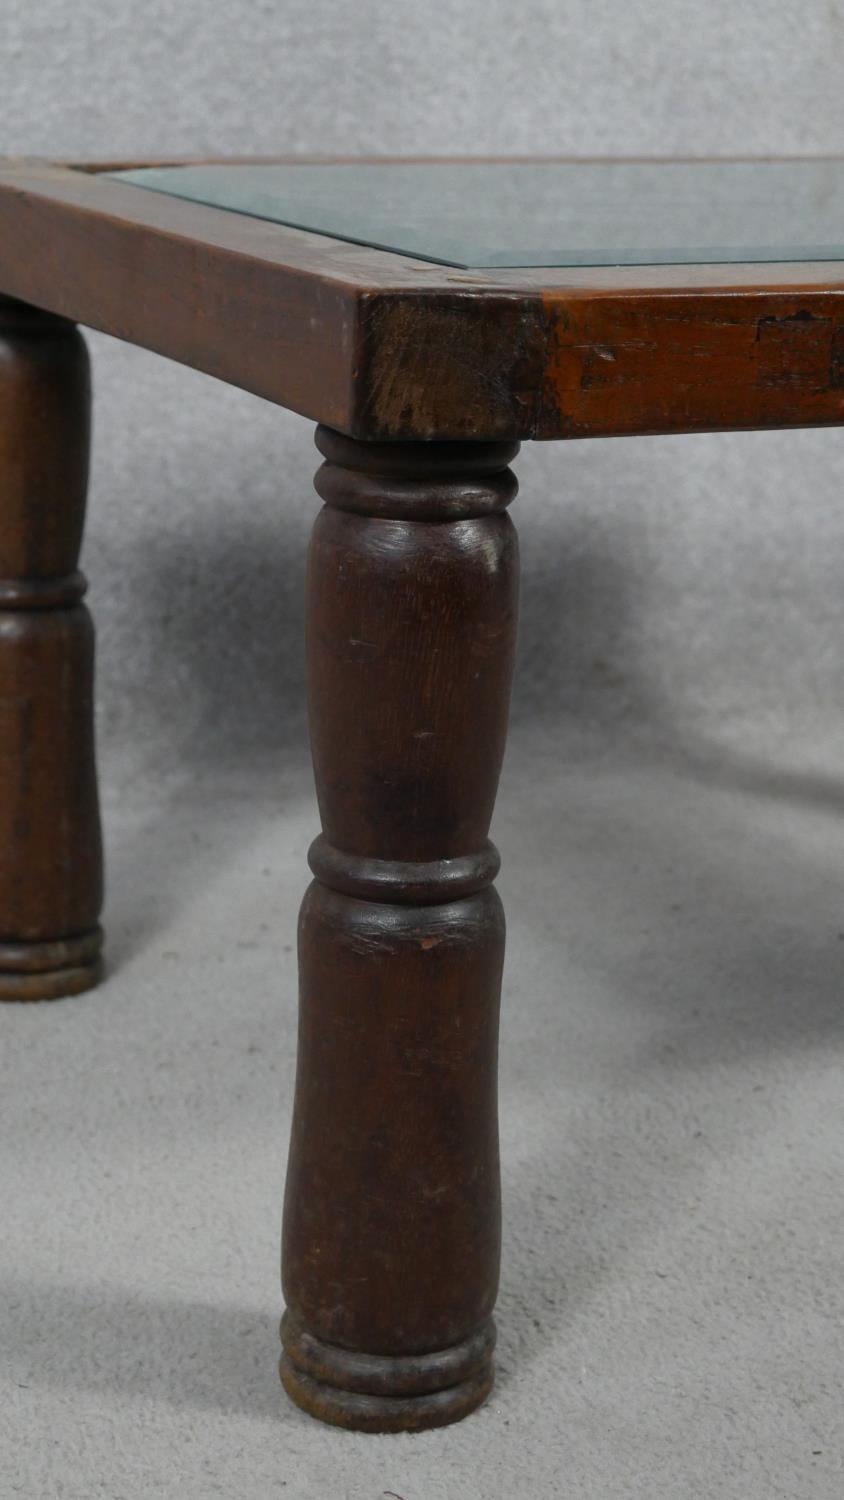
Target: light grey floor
<point>671,1308</point>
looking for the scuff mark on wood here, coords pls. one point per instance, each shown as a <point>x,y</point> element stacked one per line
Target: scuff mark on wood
<point>795,320</point>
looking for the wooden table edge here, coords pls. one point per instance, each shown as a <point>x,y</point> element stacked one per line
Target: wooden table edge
<point>382,346</point>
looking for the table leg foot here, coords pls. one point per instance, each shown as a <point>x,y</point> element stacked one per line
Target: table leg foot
<point>50,971</point>
<point>386,1393</point>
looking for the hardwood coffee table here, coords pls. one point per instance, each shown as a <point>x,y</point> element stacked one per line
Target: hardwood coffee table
<point>428,316</point>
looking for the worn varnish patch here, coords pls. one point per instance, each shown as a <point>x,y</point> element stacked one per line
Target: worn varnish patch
<point>795,350</point>
<point>836,364</point>
<point>460,362</point>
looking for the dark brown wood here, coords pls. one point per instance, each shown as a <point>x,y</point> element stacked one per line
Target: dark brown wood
<point>50,847</point>
<point>383,346</point>
<point>391,1225</point>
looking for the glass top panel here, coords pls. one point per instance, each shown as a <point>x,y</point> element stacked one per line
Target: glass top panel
<point>479,215</point>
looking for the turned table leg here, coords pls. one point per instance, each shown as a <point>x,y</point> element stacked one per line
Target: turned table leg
<point>50,848</point>
<point>392,1217</point>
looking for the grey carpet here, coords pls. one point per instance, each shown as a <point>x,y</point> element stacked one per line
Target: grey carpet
<point>671,1309</point>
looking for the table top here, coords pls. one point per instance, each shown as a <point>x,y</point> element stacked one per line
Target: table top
<point>417,341</point>
<point>547,213</point>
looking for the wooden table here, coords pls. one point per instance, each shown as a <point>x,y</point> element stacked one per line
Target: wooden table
<point>673,298</point>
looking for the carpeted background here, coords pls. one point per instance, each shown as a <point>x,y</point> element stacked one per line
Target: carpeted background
<point>671,820</point>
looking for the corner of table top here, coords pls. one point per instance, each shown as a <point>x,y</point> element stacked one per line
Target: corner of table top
<point>383,346</point>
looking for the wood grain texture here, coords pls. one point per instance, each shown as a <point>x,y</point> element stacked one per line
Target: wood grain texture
<point>381,346</point>
<point>50,845</point>
<point>693,363</point>
<point>391,1226</point>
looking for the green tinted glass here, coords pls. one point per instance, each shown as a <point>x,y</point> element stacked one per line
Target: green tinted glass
<point>476,215</point>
